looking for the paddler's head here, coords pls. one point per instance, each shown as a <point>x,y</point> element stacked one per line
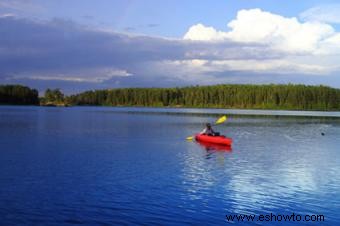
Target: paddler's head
<point>208,125</point>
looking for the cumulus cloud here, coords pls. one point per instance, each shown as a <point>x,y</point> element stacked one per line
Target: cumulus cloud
<point>328,13</point>
<point>281,33</point>
<point>199,32</point>
<point>309,47</point>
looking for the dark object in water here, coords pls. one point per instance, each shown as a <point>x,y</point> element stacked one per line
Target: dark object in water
<point>323,134</point>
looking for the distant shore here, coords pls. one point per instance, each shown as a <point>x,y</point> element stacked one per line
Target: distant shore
<point>227,96</point>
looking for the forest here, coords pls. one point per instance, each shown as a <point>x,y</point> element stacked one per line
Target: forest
<point>18,95</point>
<point>283,97</point>
<point>289,97</point>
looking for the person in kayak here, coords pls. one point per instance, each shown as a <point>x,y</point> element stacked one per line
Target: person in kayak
<point>209,131</point>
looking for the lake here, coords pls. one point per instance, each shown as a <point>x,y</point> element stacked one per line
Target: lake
<point>133,166</point>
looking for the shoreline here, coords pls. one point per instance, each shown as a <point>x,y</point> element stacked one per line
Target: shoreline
<point>202,111</point>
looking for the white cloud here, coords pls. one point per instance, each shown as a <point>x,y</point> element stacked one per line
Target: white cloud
<point>115,72</point>
<point>61,77</point>
<point>280,33</point>
<point>328,13</point>
<point>203,33</point>
<point>91,76</point>
<point>282,66</point>
<point>270,66</point>
<point>285,34</point>
<point>310,47</point>
<point>6,15</point>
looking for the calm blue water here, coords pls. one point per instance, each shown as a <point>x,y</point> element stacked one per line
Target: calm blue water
<point>125,166</point>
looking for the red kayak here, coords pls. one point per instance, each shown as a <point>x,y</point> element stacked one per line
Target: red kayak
<point>222,140</point>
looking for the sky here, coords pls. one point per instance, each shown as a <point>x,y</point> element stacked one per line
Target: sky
<point>85,45</point>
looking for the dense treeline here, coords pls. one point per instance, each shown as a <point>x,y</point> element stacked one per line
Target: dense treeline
<point>297,97</point>
<point>17,94</point>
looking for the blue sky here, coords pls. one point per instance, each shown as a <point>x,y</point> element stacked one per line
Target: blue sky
<point>170,18</point>
<point>82,44</point>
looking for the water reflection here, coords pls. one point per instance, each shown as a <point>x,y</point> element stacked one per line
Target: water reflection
<point>276,166</point>
<point>211,147</point>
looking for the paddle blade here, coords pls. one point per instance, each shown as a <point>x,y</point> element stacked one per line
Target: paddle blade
<point>190,138</point>
<point>221,120</point>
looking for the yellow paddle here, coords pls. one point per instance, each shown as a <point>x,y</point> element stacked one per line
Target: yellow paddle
<point>221,120</point>
<point>218,121</point>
